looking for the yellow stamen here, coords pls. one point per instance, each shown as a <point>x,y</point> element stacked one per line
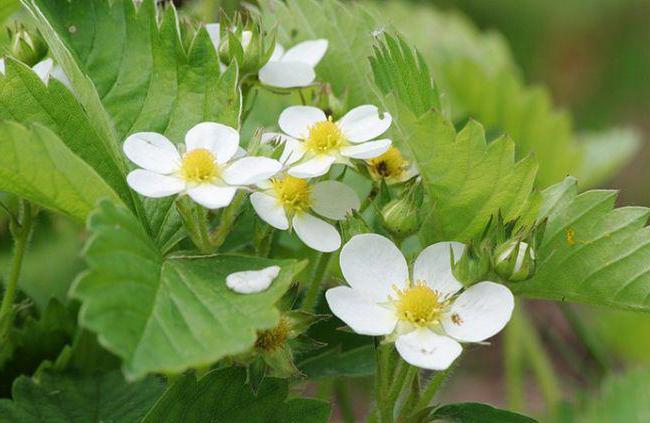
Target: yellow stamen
<point>269,340</point>
<point>390,165</point>
<point>294,194</point>
<point>199,166</point>
<point>324,137</point>
<point>419,304</point>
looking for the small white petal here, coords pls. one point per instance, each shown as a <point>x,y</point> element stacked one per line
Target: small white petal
<point>521,254</point>
<point>252,281</point>
<point>153,152</point>
<point>296,120</point>
<point>246,37</point>
<point>317,166</point>
<point>270,210</point>
<point>221,140</point>
<point>316,233</point>
<point>211,196</point>
<point>359,313</point>
<point>334,200</point>
<point>43,69</point>
<point>58,74</point>
<point>310,52</point>
<point>287,74</point>
<point>250,170</point>
<point>241,153</point>
<point>480,312</point>
<point>2,66</point>
<point>154,185</point>
<point>372,264</point>
<point>427,350</point>
<point>366,150</point>
<point>277,54</point>
<point>433,266</point>
<point>363,123</point>
<point>214,31</point>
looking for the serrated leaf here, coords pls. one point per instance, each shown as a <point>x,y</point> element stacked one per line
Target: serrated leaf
<point>467,180</point>
<point>67,398</point>
<point>349,31</point>
<point>357,362</point>
<point>37,165</point>
<point>25,97</point>
<point>168,314</point>
<point>134,73</point>
<point>592,252</point>
<point>474,413</point>
<point>224,396</point>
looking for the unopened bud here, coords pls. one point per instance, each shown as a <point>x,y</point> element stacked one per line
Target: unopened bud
<point>472,267</point>
<point>27,46</point>
<point>400,216</point>
<point>515,261</point>
<point>353,225</point>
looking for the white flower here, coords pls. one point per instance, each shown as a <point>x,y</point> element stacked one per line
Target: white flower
<point>295,67</point>
<point>252,281</point>
<point>425,314</point>
<point>289,202</point>
<point>391,167</point>
<point>209,171</point>
<point>45,69</point>
<point>314,143</point>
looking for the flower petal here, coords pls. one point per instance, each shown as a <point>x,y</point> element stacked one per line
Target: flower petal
<point>433,266</point>
<point>427,350</point>
<point>154,185</point>
<point>363,123</point>
<point>270,210</point>
<point>277,54</point>
<point>58,74</point>
<point>221,140</point>
<point>480,312</point>
<point>287,74</point>
<point>293,151</point>
<point>317,166</point>
<point>367,150</point>
<point>316,233</point>
<point>2,66</point>
<point>252,281</point>
<point>43,69</point>
<point>153,152</point>
<point>310,52</point>
<point>372,265</point>
<point>211,196</point>
<point>359,313</point>
<point>250,170</point>
<point>214,31</point>
<point>333,199</point>
<point>296,120</point>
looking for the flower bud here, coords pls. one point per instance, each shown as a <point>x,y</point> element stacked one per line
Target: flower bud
<point>400,216</point>
<point>248,47</point>
<point>473,266</point>
<point>27,46</point>
<point>353,225</point>
<point>514,261</point>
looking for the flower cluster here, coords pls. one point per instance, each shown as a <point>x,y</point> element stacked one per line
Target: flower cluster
<point>427,313</point>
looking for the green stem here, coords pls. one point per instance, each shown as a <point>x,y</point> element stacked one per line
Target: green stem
<point>514,364</point>
<point>540,363</point>
<point>228,218</point>
<point>343,401</point>
<point>411,400</point>
<point>589,339</point>
<point>434,384</point>
<point>192,225</point>
<point>21,235</point>
<point>382,383</point>
<point>320,267</point>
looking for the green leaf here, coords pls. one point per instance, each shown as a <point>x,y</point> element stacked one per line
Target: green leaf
<point>357,362</point>
<point>348,30</point>
<point>591,252</point>
<point>477,413</point>
<point>467,180</point>
<point>223,396</point>
<point>168,314</point>
<point>37,165</point>
<point>621,398</point>
<point>24,97</point>
<point>58,398</point>
<point>135,75</point>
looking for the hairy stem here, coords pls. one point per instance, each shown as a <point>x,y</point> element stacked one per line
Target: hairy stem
<point>432,388</point>
<point>21,233</point>
<point>193,225</point>
<point>313,289</point>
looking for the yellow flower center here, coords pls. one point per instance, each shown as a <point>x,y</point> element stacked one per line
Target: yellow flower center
<point>293,193</point>
<point>390,165</point>
<point>419,304</point>
<point>269,340</point>
<point>324,137</point>
<point>199,166</point>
